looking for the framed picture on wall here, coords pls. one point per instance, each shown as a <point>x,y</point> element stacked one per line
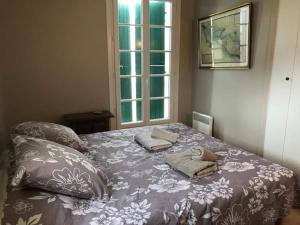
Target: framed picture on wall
<point>225,39</point>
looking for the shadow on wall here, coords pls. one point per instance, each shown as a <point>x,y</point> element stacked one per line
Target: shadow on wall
<point>2,121</point>
<point>53,59</point>
<point>236,98</point>
<point>187,31</point>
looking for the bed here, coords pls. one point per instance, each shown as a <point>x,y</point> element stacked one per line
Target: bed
<point>246,190</point>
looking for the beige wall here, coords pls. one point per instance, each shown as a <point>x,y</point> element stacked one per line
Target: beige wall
<point>2,133</point>
<point>54,58</point>
<point>187,30</point>
<point>54,61</point>
<point>236,98</point>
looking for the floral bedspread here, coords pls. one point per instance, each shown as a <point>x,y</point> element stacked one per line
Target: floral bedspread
<point>246,190</point>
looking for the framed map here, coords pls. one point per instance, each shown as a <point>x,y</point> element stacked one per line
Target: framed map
<point>225,38</point>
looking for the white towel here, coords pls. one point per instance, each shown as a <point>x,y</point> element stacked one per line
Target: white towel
<point>194,168</point>
<point>163,134</point>
<point>150,143</point>
<point>203,154</point>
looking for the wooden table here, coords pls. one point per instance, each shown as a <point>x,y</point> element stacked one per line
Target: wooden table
<point>89,122</point>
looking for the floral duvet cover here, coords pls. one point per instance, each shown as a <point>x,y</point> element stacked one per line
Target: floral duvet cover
<point>246,190</point>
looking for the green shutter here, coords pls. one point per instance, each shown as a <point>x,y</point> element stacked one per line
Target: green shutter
<point>157,13</point>
<point>156,109</point>
<point>157,60</point>
<point>157,87</point>
<point>123,12</point>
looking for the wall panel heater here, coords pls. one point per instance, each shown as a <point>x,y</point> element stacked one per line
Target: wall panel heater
<point>203,123</point>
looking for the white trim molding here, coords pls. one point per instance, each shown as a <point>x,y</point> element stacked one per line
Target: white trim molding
<point>176,18</point>
<point>111,67</point>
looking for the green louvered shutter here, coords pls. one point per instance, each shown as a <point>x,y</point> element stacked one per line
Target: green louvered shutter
<point>131,59</point>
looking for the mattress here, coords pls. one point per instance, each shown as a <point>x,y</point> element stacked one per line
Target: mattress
<point>246,189</point>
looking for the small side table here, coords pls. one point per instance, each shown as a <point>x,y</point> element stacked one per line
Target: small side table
<point>89,122</point>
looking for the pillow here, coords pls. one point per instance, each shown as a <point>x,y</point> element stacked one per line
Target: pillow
<point>50,131</point>
<point>57,168</point>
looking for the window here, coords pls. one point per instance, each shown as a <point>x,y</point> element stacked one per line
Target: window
<point>160,59</point>
<point>130,25</point>
<point>144,60</point>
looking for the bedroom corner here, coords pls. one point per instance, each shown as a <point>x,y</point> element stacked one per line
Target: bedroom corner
<point>96,103</point>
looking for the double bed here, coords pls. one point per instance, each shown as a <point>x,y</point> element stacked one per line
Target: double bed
<point>246,189</point>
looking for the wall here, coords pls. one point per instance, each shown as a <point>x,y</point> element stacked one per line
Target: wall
<point>237,98</point>
<point>187,37</point>
<point>54,58</point>
<point>2,125</point>
<point>2,107</point>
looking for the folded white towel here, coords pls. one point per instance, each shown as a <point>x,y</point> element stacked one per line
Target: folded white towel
<point>194,168</point>
<point>203,154</point>
<point>150,143</point>
<point>163,134</point>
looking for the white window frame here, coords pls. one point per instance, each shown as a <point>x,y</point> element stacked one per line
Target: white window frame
<point>113,65</point>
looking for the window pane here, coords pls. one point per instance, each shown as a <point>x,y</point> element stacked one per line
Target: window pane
<point>159,109</point>
<point>130,63</point>
<point>139,111</point>
<point>130,37</point>
<point>160,13</point>
<point>160,63</point>
<point>127,92</point>
<point>159,86</point>
<point>130,11</point>
<point>131,111</point>
<point>160,39</point>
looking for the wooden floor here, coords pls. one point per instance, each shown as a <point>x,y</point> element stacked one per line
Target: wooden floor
<point>3,181</point>
<point>292,219</point>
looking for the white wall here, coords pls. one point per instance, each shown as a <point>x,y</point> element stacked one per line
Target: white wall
<point>237,98</point>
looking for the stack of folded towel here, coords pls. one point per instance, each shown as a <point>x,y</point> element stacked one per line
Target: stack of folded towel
<point>157,140</point>
<point>195,162</point>
<point>164,135</point>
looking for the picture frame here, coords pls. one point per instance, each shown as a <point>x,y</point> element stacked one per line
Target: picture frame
<point>225,39</point>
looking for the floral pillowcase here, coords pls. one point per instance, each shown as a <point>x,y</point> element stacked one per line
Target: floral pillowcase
<point>50,131</point>
<point>56,168</point>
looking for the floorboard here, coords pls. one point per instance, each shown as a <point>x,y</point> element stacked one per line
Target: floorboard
<point>292,219</point>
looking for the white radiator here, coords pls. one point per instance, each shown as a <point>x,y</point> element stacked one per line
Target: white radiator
<point>203,123</point>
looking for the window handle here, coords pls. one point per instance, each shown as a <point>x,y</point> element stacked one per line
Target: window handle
<point>287,78</point>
